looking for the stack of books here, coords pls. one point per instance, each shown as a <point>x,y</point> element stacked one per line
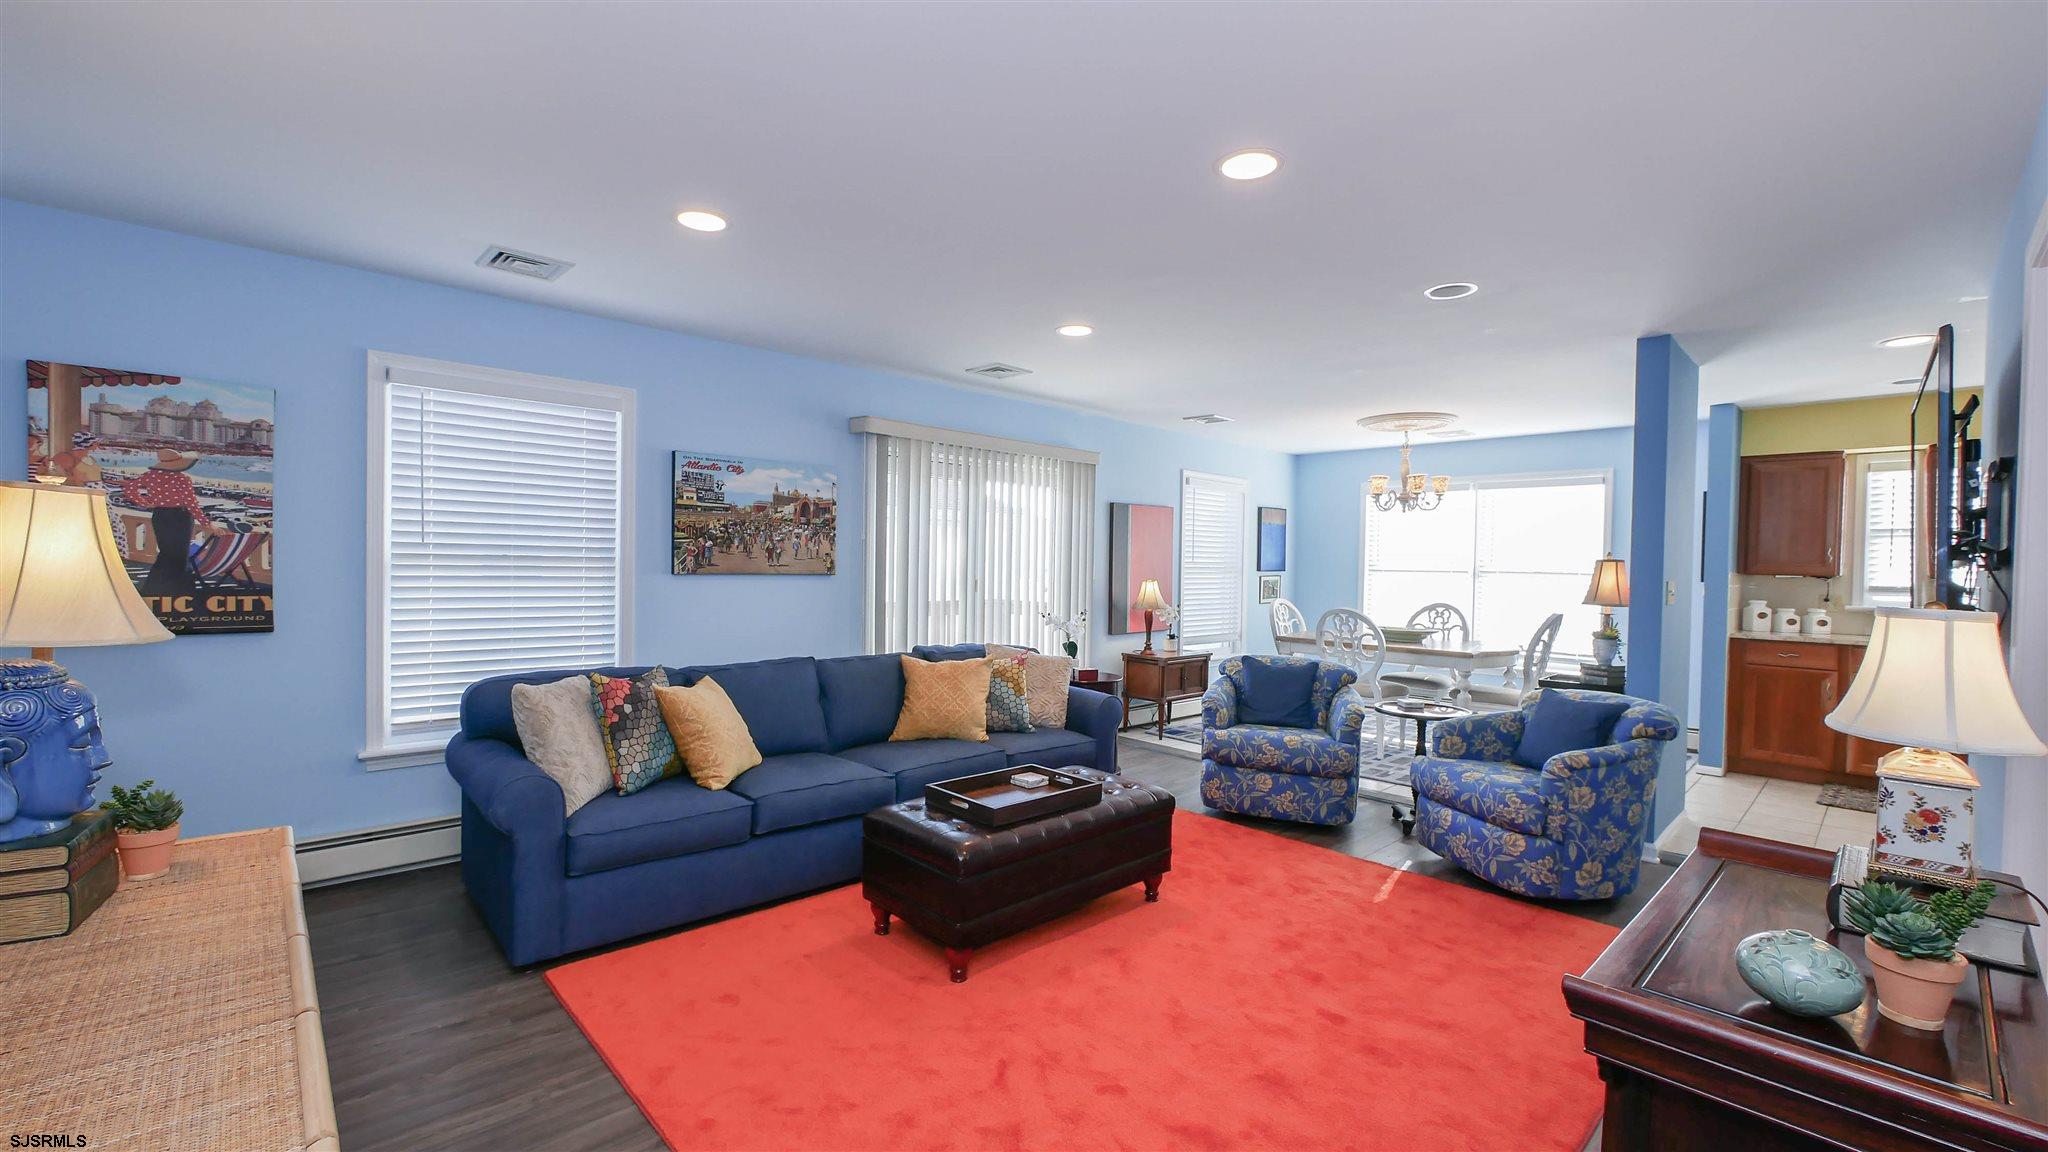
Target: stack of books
<point>1603,675</point>
<point>50,884</point>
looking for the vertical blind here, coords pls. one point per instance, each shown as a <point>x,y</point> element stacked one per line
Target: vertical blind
<point>501,545</point>
<point>1213,514</point>
<point>972,544</point>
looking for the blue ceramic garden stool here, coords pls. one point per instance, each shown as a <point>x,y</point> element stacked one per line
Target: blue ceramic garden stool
<point>1550,801</point>
<point>1280,740</point>
<point>50,750</point>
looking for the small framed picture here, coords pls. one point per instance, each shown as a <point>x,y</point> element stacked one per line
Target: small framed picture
<point>1269,589</point>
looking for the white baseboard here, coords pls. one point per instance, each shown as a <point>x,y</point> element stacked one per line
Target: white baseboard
<point>1710,769</point>
<point>377,851</point>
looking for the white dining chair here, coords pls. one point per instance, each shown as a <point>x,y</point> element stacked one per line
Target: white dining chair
<point>1448,622</point>
<point>1287,621</point>
<point>1535,662</point>
<point>1350,638</point>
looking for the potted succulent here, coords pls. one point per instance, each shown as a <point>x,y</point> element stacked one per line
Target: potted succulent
<point>1911,944</point>
<point>1606,644</point>
<point>146,826</point>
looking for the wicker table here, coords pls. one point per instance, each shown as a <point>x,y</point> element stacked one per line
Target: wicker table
<point>180,1015</point>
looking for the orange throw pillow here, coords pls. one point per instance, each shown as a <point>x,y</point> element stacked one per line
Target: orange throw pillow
<point>711,736</point>
<point>943,700</point>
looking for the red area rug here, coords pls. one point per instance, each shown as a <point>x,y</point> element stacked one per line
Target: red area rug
<point>1279,996</point>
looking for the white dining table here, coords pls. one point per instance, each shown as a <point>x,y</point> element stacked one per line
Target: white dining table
<point>1461,660</point>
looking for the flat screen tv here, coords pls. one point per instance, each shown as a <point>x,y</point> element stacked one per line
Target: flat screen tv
<point>1947,495</point>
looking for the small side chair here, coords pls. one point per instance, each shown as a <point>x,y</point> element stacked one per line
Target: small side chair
<point>1305,772</point>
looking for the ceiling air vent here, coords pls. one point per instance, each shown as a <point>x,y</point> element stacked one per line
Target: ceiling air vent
<point>999,371</point>
<point>523,263</point>
<point>1207,418</point>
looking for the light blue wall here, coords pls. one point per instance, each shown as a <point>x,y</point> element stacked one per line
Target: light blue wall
<point>263,729</point>
<point>1722,461</point>
<point>1663,546</point>
<point>1327,484</point>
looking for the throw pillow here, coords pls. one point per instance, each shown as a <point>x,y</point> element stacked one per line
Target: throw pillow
<point>942,701</point>
<point>1560,723</point>
<point>1007,711</point>
<point>1045,684</point>
<point>709,732</point>
<point>1280,693</point>
<point>558,730</point>
<point>637,745</point>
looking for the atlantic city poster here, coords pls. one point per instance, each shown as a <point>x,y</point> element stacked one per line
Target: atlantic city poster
<point>753,517</point>
<point>186,466</point>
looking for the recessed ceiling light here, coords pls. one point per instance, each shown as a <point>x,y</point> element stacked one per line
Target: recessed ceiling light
<point>1207,418</point>
<point>1971,299</point>
<point>1906,341</point>
<point>1450,291</point>
<point>1249,165</point>
<point>1075,330</point>
<point>701,221</point>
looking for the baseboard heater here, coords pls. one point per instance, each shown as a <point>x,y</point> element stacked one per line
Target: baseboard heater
<point>378,851</point>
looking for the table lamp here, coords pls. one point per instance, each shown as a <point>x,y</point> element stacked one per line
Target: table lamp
<point>1149,600</point>
<point>1934,681</point>
<point>1609,590</point>
<point>61,582</point>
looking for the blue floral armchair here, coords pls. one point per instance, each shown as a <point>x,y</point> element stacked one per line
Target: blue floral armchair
<point>1309,775</point>
<point>1572,831</point>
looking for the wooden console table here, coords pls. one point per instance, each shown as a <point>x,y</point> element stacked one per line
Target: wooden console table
<point>1695,1061</point>
<point>181,1014</point>
<point>1163,677</point>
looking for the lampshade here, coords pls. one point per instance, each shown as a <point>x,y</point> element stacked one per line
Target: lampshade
<point>61,580</point>
<point>1609,588</point>
<point>1936,679</point>
<point>1149,598</point>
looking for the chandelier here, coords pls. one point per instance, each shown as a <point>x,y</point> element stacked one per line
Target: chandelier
<point>1415,491</point>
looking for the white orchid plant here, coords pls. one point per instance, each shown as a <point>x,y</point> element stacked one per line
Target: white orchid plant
<point>1068,627</point>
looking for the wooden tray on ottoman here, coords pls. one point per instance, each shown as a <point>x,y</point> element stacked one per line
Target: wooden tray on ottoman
<point>989,799</point>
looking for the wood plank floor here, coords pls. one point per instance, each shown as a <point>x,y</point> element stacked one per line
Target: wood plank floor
<point>434,1042</point>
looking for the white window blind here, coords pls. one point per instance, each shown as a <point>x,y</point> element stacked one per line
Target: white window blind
<point>1884,575</point>
<point>1213,514</point>
<point>973,541</point>
<point>500,544</point>
<point>1506,551</point>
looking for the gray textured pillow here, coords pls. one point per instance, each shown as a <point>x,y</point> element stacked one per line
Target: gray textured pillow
<point>558,728</point>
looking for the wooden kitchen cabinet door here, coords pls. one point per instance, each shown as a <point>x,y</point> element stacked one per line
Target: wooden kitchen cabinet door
<point>1791,515</point>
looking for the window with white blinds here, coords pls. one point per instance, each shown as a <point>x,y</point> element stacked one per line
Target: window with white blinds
<point>1213,513</point>
<point>974,539</point>
<point>1506,551</point>
<point>1884,573</point>
<point>498,505</point>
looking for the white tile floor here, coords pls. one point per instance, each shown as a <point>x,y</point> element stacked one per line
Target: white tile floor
<point>1759,806</point>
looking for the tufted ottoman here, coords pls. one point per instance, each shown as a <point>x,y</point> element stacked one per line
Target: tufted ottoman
<point>965,886</point>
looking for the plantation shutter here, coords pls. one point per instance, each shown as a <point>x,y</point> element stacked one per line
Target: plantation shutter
<point>502,533</point>
<point>1213,512</point>
<point>1888,531</point>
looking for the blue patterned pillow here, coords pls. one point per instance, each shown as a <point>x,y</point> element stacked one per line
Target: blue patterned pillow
<point>1559,723</point>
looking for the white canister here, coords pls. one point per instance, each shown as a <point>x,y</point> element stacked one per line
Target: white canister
<point>1818,622</point>
<point>1756,616</point>
<point>1788,622</point>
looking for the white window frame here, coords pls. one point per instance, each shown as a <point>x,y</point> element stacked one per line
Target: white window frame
<point>1603,476</point>
<point>378,752</point>
<point>1859,509</point>
<point>1245,559</point>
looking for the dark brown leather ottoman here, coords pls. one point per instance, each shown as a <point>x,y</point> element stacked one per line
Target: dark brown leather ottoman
<point>964,885</point>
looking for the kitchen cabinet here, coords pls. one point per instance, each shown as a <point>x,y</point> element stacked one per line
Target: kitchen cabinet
<point>1791,515</point>
<point>1779,695</point>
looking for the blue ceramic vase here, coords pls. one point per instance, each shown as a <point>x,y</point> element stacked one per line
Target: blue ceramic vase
<point>1799,973</point>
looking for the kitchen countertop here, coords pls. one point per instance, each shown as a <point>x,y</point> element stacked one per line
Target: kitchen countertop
<point>1789,638</point>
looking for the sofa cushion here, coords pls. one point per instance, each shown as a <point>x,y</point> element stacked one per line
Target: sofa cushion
<point>799,788</point>
<point>1052,747</point>
<point>1500,794</point>
<point>938,652</point>
<point>1278,692</point>
<point>861,695</point>
<point>1292,751</point>
<point>672,817</point>
<point>1560,723</point>
<point>916,763</point>
<point>486,711</point>
<point>779,700</point>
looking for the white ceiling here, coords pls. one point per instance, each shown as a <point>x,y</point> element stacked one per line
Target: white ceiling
<point>926,187</point>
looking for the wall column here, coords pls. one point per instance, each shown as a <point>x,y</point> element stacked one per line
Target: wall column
<point>1724,473</point>
<point>1661,543</point>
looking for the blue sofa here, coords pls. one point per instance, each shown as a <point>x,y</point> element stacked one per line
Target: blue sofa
<point>674,853</point>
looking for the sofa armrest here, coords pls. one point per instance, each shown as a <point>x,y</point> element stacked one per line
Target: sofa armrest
<point>1489,736</point>
<point>517,798</point>
<point>1219,704</point>
<point>1098,715</point>
<point>1347,718</point>
<point>1594,792</point>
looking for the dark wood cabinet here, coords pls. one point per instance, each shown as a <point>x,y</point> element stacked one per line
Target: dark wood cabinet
<point>1791,523</point>
<point>1782,693</point>
<point>1163,678</point>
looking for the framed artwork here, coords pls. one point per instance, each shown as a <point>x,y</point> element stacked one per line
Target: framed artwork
<point>186,466</point>
<point>1269,589</point>
<point>746,516</point>
<point>1272,540</point>
<point>1140,549</point>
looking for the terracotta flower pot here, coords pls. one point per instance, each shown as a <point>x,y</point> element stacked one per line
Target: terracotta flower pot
<point>1915,993</point>
<point>145,855</point>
